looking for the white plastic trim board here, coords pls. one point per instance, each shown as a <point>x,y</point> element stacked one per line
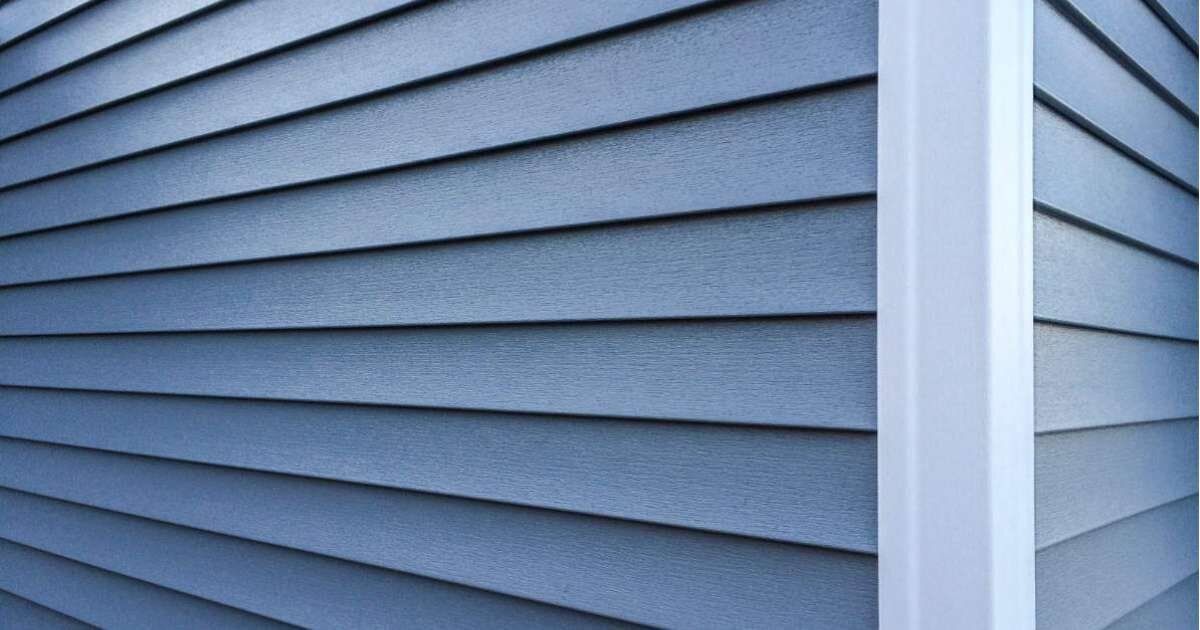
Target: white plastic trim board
<point>955,347</point>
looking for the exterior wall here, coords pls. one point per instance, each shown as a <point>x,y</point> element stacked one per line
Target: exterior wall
<point>1115,304</point>
<point>513,313</point>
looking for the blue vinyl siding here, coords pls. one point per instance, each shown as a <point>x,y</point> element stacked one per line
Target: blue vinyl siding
<point>20,19</point>
<point>1180,16</point>
<point>106,599</point>
<point>18,612</point>
<point>1175,607</point>
<point>86,34</point>
<point>1115,285</point>
<point>459,313</point>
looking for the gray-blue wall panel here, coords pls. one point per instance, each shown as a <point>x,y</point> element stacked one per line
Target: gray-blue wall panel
<point>212,40</point>
<point>638,572</point>
<point>1078,174</point>
<point>301,588</point>
<point>109,600</point>
<point>652,71</point>
<point>390,52</point>
<point>779,151</point>
<point>1088,378</point>
<point>1174,608</point>
<point>1089,478</point>
<point>86,33</point>
<point>490,312</point>
<point>20,17</point>
<point>810,371</point>
<point>1094,579</point>
<point>1180,15</point>
<point>410,48</point>
<point>1073,69</point>
<point>1115,299</point>
<point>1140,36</point>
<point>18,612</point>
<point>815,487</point>
<point>1081,277</point>
<point>731,264</point>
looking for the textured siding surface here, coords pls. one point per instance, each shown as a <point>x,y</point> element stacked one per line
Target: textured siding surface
<point>466,313</point>
<point>1115,295</point>
<point>18,612</point>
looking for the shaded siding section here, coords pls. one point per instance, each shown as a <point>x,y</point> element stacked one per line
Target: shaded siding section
<point>109,24</point>
<point>684,165</point>
<point>539,460</point>
<point>519,314</point>
<point>105,599</point>
<point>18,612</point>
<point>661,69</point>
<point>1180,16</point>
<point>319,591</point>
<point>22,18</point>
<point>236,32</point>
<point>1115,284</point>
<point>1177,605</point>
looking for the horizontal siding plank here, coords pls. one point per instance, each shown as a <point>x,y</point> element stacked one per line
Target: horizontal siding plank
<point>1147,41</point>
<point>1075,70</point>
<point>300,588</point>
<point>1174,608</point>
<point>19,17</point>
<point>648,72</point>
<point>1080,175</point>
<point>1138,466</point>
<point>1082,277</point>
<point>1092,580</point>
<point>773,152</point>
<point>230,34</point>
<point>787,371</point>
<point>642,573</point>
<point>105,599</point>
<point>395,51</point>
<point>1181,15</point>
<point>18,612</point>
<point>731,264</point>
<point>1089,378</point>
<point>813,487</point>
<point>87,33</point>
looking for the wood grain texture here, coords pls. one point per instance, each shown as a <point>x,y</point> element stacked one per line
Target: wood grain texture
<point>1088,378</point>
<point>1075,70</point>
<point>105,599</point>
<point>812,487</point>
<point>414,45</point>
<point>774,152</point>
<point>788,371</point>
<point>1079,174</point>
<point>1093,580</point>
<point>642,573</point>
<point>1174,608</point>
<point>1081,277</point>
<point>18,612</point>
<point>237,31</point>
<point>87,33</point>
<point>653,71</point>
<point>300,588</point>
<point>731,264</point>
<point>1145,40</point>
<point>19,17</point>
<point>1090,478</point>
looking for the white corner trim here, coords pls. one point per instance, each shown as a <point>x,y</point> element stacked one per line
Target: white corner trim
<point>955,308</point>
